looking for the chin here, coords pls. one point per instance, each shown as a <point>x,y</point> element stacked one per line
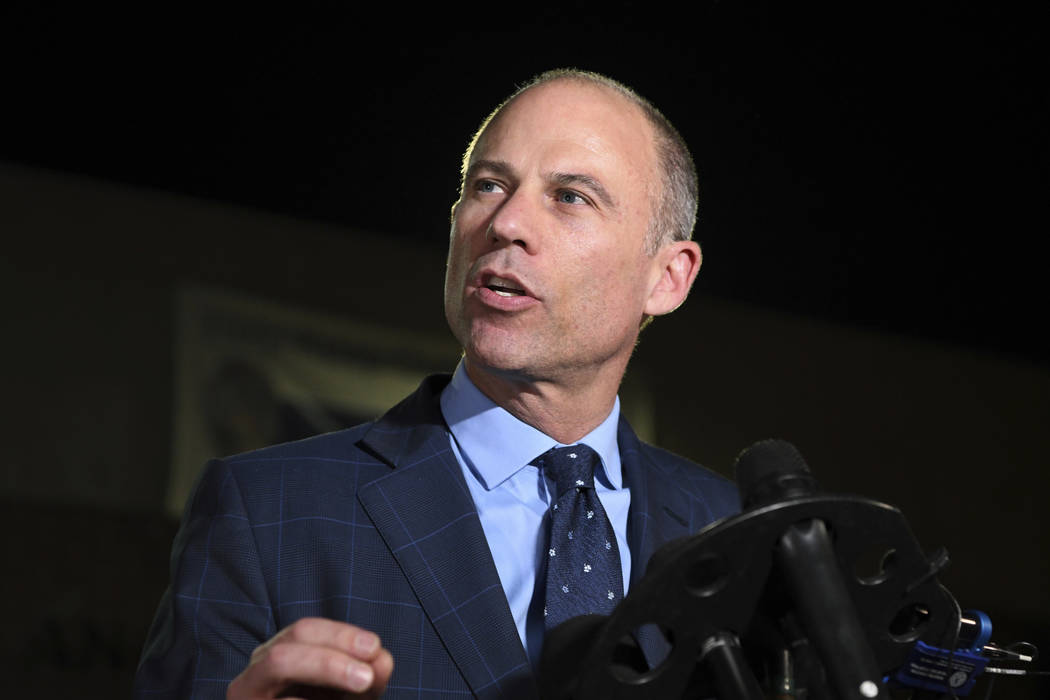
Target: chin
<point>500,360</point>
<point>500,356</point>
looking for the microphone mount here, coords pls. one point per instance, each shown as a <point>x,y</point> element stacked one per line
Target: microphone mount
<point>785,587</point>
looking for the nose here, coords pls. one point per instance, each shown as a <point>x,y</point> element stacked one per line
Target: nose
<point>515,222</point>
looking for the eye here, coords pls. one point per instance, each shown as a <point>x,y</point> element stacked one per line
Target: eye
<point>570,197</point>
<point>488,186</point>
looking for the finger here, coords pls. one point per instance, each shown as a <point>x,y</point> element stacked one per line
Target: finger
<point>382,668</point>
<point>360,643</point>
<point>285,662</point>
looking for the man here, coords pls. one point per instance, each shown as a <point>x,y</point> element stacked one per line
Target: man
<point>415,555</point>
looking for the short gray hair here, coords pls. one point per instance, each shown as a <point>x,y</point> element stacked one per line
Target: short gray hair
<point>674,215</point>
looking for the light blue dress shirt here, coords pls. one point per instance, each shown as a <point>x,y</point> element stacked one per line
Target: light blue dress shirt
<point>512,497</point>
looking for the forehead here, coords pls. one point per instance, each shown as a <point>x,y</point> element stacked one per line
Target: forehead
<point>575,122</point>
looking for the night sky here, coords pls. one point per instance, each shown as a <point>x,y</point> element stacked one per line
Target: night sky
<point>883,166</point>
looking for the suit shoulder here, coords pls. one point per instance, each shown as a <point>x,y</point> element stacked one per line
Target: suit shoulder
<point>311,468</point>
<point>336,445</point>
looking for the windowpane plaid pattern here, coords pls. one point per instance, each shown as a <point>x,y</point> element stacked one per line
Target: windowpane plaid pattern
<point>375,526</point>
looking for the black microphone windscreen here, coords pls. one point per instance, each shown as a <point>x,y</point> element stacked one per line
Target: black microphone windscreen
<point>770,470</point>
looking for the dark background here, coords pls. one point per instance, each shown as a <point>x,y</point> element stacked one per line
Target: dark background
<point>881,166</point>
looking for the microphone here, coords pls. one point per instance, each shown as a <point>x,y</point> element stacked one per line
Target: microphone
<point>787,579</point>
<point>771,471</point>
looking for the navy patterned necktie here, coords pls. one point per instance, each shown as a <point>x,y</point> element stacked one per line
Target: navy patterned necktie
<point>583,561</point>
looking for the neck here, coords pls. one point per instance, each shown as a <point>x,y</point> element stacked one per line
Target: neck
<point>565,410</point>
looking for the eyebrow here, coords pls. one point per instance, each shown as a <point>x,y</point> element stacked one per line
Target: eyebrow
<point>496,167</point>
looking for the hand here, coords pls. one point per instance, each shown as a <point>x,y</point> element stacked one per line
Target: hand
<point>315,652</point>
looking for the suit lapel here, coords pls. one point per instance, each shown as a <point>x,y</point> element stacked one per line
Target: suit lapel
<point>660,509</point>
<point>425,514</point>
<point>660,512</point>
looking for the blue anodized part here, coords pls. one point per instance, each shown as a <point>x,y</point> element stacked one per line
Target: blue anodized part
<point>984,630</point>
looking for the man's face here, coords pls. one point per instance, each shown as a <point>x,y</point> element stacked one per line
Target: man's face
<point>547,275</point>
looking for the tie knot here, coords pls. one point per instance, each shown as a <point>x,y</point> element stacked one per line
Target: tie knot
<point>571,467</point>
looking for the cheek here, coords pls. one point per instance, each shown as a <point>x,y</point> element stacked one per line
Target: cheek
<point>462,252</point>
<point>595,290</point>
<point>466,234</point>
<point>613,298</point>
<point>454,265</point>
<point>470,216</point>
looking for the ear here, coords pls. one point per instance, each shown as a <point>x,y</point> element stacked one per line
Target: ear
<point>675,267</point>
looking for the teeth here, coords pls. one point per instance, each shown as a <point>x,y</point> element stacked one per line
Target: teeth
<point>504,283</point>
<point>504,287</point>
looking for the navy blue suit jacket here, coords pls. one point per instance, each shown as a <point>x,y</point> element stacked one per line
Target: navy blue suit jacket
<point>374,525</point>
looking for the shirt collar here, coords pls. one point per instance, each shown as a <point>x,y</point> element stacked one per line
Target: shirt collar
<point>495,445</point>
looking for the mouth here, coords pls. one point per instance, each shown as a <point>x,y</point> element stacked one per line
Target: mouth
<point>501,290</point>
<point>505,287</point>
